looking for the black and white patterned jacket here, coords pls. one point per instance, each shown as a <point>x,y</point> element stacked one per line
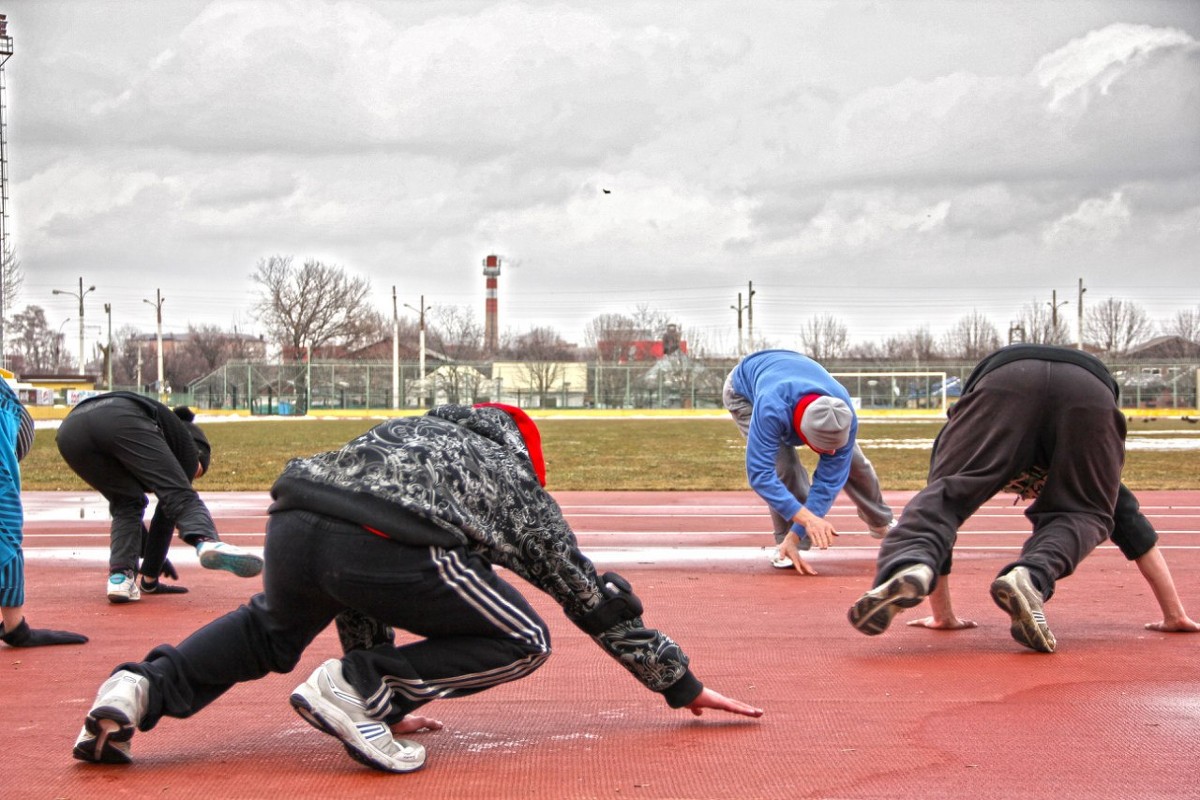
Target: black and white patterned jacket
<point>467,471</point>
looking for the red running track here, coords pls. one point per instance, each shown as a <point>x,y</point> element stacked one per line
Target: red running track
<point>1115,713</point>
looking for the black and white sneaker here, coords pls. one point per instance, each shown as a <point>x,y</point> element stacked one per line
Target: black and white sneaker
<point>906,588</point>
<point>119,707</point>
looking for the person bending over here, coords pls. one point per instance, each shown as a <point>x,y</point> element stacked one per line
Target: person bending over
<point>402,528</point>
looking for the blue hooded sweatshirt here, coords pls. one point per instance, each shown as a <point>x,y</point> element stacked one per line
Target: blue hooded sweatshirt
<point>774,381</point>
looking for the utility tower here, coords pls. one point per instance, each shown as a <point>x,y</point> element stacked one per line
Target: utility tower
<point>6,51</point>
<point>491,322</point>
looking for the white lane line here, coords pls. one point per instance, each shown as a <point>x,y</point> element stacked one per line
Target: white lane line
<point>599,554</point>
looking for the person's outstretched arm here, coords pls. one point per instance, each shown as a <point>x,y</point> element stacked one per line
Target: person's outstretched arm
<point>943,617</point>
<point>1154,569</point>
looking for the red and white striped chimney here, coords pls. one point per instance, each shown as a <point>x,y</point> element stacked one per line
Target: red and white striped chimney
<point>491,322</point>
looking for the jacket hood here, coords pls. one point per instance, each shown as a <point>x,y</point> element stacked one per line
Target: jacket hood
<point>500,426</point>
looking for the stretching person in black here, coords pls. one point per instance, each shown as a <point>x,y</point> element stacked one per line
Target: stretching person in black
<point>125,445</point>
<point>1134,536</point>
<point>402,526</point>
<point>1035,414</point>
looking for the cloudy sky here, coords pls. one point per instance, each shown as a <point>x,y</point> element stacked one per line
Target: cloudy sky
<point>895,163</point>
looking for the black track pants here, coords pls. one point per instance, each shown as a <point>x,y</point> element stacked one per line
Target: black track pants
<point>1021,414</point>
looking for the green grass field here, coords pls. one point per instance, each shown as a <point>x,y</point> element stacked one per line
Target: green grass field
<point>598,454</point>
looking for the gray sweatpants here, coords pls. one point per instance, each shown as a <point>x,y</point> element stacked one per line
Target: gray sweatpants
<point>862,487</point>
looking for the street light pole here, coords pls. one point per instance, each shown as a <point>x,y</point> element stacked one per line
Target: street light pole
<point>109,352</point>
<point>1054,307</point>
<point>739,308</point>
<point>395,351</point>
<point>750,315</point>
<point>79,296</point>
<point>1079,329</point>
<point>158,304</point>
<point>421,342</point>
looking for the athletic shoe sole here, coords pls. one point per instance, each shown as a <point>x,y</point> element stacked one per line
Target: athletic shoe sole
<point>1016,594</point>
<point>340,726</point>
<point>874,610</point>
<point>97,746</point>
<point>244,565</point>
<point>879,533</point>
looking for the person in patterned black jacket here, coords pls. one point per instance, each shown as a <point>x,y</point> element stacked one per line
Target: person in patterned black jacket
<point>400,528</point>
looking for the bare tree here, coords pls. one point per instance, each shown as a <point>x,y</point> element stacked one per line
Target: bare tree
<point>611,337</point>
<point>917,345</point>
<point>209,345</point>
<point>542,352</point>
<point>1116,325</point>
<point>1185,324</point>
<point>314,305</point>
<point>37,347</point>
<point>11,278</point>
<point>457,336</point>
<point>612,340</point>
<point>456,333</point>
<point>824,338</point>
<point>125,356</point>
<point>1041,325</point>
<point>680,377</point>
<point>867,352</point>
<point>972,337</point>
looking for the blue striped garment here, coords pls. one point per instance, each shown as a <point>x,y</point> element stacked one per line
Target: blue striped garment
<point>12,564</point>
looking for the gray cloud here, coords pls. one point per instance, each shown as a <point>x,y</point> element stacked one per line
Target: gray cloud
<point>840,156</point>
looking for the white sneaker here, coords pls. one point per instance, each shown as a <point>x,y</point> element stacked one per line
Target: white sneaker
<point>231,558</point>
<point>119,707</point>
<point>330,704</point>
<point>1015,593</point>
<point>122,588</point>
<point>880,531</point>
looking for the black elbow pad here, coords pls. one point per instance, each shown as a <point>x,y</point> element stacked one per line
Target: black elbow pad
<point>619,605</point>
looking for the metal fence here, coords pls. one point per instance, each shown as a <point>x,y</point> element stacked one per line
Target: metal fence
<point>292,388</point>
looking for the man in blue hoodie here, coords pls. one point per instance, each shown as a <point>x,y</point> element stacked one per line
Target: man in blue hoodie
<point>780,400</point>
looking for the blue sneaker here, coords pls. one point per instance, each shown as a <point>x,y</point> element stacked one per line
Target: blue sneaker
<point>122,588</point>
<point>231,558</point>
